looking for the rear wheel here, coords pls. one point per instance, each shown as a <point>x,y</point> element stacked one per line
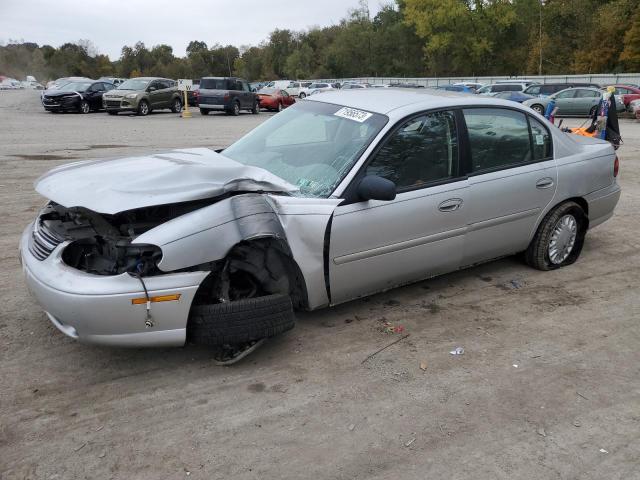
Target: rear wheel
<point>538,108</point>
<point>559,239</point>
<point>279,106</point>
<point>85,107</point>
<point>204,111</point>
<point>143,108</point>
<point>302,95</point>
<point>176,106</point>
<point>235,110</point>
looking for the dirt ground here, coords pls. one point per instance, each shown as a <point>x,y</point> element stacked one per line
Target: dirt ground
<point>548,386</point>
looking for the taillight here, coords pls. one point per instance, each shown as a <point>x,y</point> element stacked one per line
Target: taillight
<point>226,97</point>
<point>616,166</point>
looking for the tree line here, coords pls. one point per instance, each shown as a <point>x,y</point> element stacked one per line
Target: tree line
<point>407,38</point>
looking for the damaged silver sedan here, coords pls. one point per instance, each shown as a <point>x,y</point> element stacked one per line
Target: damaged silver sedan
<point>338,197</point>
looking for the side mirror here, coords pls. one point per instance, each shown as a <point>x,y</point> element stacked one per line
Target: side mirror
<point>151,89</point>
<point>373,187</point>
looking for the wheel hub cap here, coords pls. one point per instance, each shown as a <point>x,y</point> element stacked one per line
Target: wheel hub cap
<point>563,239</point>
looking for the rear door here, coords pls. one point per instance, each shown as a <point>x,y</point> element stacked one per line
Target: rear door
<point>512,178</point>
<point>565,102</point>
<point>247,95</point>
<point>376,245</point>
<point>585,100</point>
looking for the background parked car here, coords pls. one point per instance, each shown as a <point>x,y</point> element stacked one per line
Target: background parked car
<point>317,87</point>
<point>193,94</point>
<point>275,99</point>
<point>634,107</point>
<point>80,97</point>
<point>406,85</point>
<point>580,101</point>
<point>513,96</point>
<point>228,94</point>
<point>546,89</point>
<point>117,81</point>
<point>502,87</point>
<point>628,93</point>
<point>55,84</point>
<point>143,95</point>
<point>10,84</point>
<point>455,88</point>
<point>296,88</point>
<point>354,86</point>
<point>474,85</point>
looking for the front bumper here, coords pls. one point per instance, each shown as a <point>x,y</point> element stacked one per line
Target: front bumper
<point>63,105</point>
<point>98,309</point>
<point>120,104</point>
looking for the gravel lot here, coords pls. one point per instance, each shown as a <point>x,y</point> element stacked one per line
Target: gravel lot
<point>548,387</point>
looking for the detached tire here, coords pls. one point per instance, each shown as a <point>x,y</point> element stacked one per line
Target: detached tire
<point>240,321</point>
<point>559,239</point>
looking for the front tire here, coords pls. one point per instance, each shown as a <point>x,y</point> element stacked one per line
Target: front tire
<point>204,111</point>
<point>559,239</point>
<point>302,95</point>
<point>143,108</point>
<point>279,107</point>
<point>256,108</point>
<point>176,106</point>
<point>538,108</point>
<point>235,111</point>
<point>240,321</point>
<point>85,107</point>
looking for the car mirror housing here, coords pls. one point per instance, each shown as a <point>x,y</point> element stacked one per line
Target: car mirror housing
<point>151,89</point>
<point>373,187</point>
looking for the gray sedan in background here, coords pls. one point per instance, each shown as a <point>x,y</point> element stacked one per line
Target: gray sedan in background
<point>344,195</point>
<point>580,101</point>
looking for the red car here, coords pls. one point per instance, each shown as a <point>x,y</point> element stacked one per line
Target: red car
<point>628,93</point>
<point>274,99</point>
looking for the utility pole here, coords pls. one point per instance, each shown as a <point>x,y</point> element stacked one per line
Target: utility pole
<point>540,39</point>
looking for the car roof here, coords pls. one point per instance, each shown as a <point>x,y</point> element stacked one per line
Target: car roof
<point>386,100</point>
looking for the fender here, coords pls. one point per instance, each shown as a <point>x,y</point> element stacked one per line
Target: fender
<point>207,234</point>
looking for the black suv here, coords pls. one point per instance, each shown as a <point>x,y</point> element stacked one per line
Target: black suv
<point>230,94</point>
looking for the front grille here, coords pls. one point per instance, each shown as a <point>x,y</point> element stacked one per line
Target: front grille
<point>43,240</point>
<point>113,103</point>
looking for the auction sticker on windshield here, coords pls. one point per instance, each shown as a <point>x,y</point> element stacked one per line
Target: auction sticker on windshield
<point>353,114</point>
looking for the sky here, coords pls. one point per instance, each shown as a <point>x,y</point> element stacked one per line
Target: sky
<point>110,24</point>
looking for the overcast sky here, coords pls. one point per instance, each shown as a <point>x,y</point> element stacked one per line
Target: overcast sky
<point>110,24</point>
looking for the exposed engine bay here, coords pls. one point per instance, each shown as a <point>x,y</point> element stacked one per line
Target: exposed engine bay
<point>101,243</point>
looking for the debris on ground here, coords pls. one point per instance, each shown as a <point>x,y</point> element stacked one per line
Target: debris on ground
<point>408,444</point>
<point>602,450</point>
<point>457,351</point>
<point>384,348</point>
<point>389,328</point>
<point>351,427</point>
<point>515,365</point>
<point>542,432</point>
<point>392,303</point>
<point>423,366</point>
<point>577,423</point>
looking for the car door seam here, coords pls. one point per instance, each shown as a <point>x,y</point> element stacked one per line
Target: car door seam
<point>395,247</point>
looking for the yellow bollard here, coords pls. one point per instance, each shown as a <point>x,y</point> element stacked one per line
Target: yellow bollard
<point>185,111</point>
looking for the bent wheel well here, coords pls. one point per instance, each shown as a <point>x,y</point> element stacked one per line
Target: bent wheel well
<point>252,269</point>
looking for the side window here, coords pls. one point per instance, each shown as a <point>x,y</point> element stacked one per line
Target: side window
<point>423,150</point>
<point>586,94</point>
<point>498,138</point>
<point>284,93</point>
<point>566,94</point>
<point>155,84</point>
<point>245,87</point>
<point>534,90</point>
<point>548,89</point>
<point>541,140</point>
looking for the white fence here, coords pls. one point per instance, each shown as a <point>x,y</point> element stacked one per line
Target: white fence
<point>601,79</point>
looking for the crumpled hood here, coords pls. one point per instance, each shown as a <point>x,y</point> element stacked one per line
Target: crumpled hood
<point>112,186</point>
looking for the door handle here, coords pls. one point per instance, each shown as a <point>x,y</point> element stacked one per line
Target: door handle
<point>451,205</point>
<point>544,183</point>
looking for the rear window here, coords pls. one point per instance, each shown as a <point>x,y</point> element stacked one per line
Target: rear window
<point>214,83</point>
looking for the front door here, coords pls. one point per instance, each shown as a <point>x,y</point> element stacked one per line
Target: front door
<point>377,245</point>
<point>565,102</point>
<point>512,179</point>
